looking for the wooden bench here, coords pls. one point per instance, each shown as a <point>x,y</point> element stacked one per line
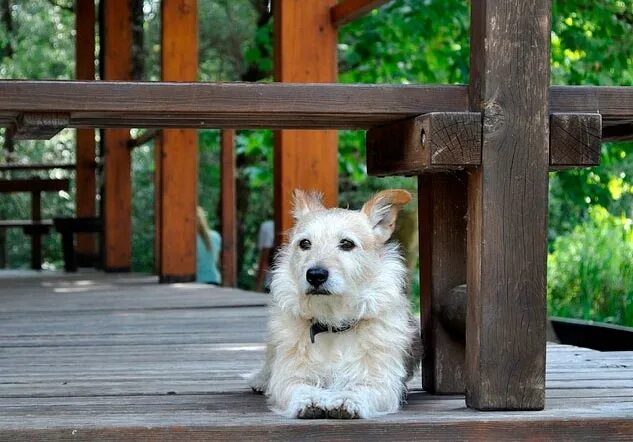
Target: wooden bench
<point>67,227</point>
<point>34,186</point>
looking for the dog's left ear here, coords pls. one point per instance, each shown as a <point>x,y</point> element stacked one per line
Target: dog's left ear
<point>382,211</point>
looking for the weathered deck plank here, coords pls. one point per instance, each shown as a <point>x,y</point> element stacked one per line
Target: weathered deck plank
<point>106,357</point>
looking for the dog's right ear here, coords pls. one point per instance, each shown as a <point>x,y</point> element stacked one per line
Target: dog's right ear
<point>305,202</point>
<point>382,211</point>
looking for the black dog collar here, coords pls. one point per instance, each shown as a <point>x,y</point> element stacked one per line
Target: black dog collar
<point>318,327</point>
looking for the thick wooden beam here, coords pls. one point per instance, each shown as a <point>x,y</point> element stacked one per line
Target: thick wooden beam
<point>575,140</point>
<point>348,10</point>
<point>430,142</point>
<point>117,193</point>
<point>507,206</point>
<point>229,209</point>
<point>305,51</point>
<point>452,141</point>
<point>442,224</point>
<point>85,145</point>
<point>277,105</point>
<point>179,149</point>
<point>40,125</point>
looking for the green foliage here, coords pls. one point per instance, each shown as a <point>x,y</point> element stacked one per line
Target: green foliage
<point>591,270</point>
<point>407,41</point>
<point>592,42</point>
<point>43,47</point>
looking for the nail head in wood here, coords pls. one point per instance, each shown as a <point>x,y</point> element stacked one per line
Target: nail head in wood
<point>575,140</point>
<point>40,125</point>
<point>432,142</point>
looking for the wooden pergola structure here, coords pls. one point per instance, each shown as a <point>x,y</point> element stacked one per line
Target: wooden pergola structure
<point>483,223</point>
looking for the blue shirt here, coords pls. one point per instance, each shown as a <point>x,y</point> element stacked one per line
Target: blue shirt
<point>208,261</point>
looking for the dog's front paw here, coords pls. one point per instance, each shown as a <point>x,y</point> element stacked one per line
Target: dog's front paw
<point>342,407</point>
<point>342,413</point>
<point>312,412</point>
<point>258,381</point>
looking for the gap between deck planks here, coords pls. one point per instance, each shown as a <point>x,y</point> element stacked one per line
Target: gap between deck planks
<point>120,357</point>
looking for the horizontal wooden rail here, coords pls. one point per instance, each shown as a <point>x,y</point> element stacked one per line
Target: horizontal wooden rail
<point>276,105</point>
<point>347,10</point>
<point>10,223</point>
<point>33,185</point>
<point>35,166</point>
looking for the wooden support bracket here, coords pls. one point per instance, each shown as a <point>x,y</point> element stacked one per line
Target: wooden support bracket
<point>40,126</point>
<point>574,140</point>
<point>443,141</point>
<point>431,142</point>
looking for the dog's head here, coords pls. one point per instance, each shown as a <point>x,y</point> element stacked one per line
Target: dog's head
<point>335,257</point>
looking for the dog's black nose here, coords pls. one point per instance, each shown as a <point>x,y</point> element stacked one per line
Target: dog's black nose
<point>317,276</point>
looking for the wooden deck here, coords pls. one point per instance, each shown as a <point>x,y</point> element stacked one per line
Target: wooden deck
<point>105,357</point>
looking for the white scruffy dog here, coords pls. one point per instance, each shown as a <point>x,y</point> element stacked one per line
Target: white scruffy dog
<point>342,340</point>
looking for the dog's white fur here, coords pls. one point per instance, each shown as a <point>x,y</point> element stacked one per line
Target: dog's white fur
<point>360,372</point>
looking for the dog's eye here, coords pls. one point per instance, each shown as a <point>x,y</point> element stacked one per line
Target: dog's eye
<point>305,244</point>
<point>346,245</point>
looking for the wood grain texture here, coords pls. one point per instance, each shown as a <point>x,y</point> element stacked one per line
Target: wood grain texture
<point>117,185</point>
<point>244,105</point>
<point>432,142</point>
<point>228,197</point>
<point>117,357</point>
<point>346,11</point>
<point>276,105</point>
<point>305,51</point>
<point>178,191</point>
<point>85,144</point>
<point>452,141</point>
<point>575,140</point>
<point>507,206</point>
<point>39,125</point>
<point>442,215</point>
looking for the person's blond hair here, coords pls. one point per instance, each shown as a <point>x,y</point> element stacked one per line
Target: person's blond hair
<point>203,228</point>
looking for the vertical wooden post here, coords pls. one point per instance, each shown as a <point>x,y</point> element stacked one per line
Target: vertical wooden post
<point>36,236</point>
<point>158,151</point>
<point>507,206</point>
<point>229,209</point>
<point>442,224</point>
<point>178,149</point>
<point>85,138</point>
<point>117,193</point>
<point>305,51</point>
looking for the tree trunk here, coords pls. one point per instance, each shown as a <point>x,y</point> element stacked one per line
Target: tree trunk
<point>7,22</point>
<point>138,48</point>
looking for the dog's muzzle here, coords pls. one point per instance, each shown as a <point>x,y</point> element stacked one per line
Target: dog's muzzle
<point>316,277</point>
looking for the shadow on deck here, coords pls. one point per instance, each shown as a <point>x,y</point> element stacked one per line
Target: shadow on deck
<point>105,357</point>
